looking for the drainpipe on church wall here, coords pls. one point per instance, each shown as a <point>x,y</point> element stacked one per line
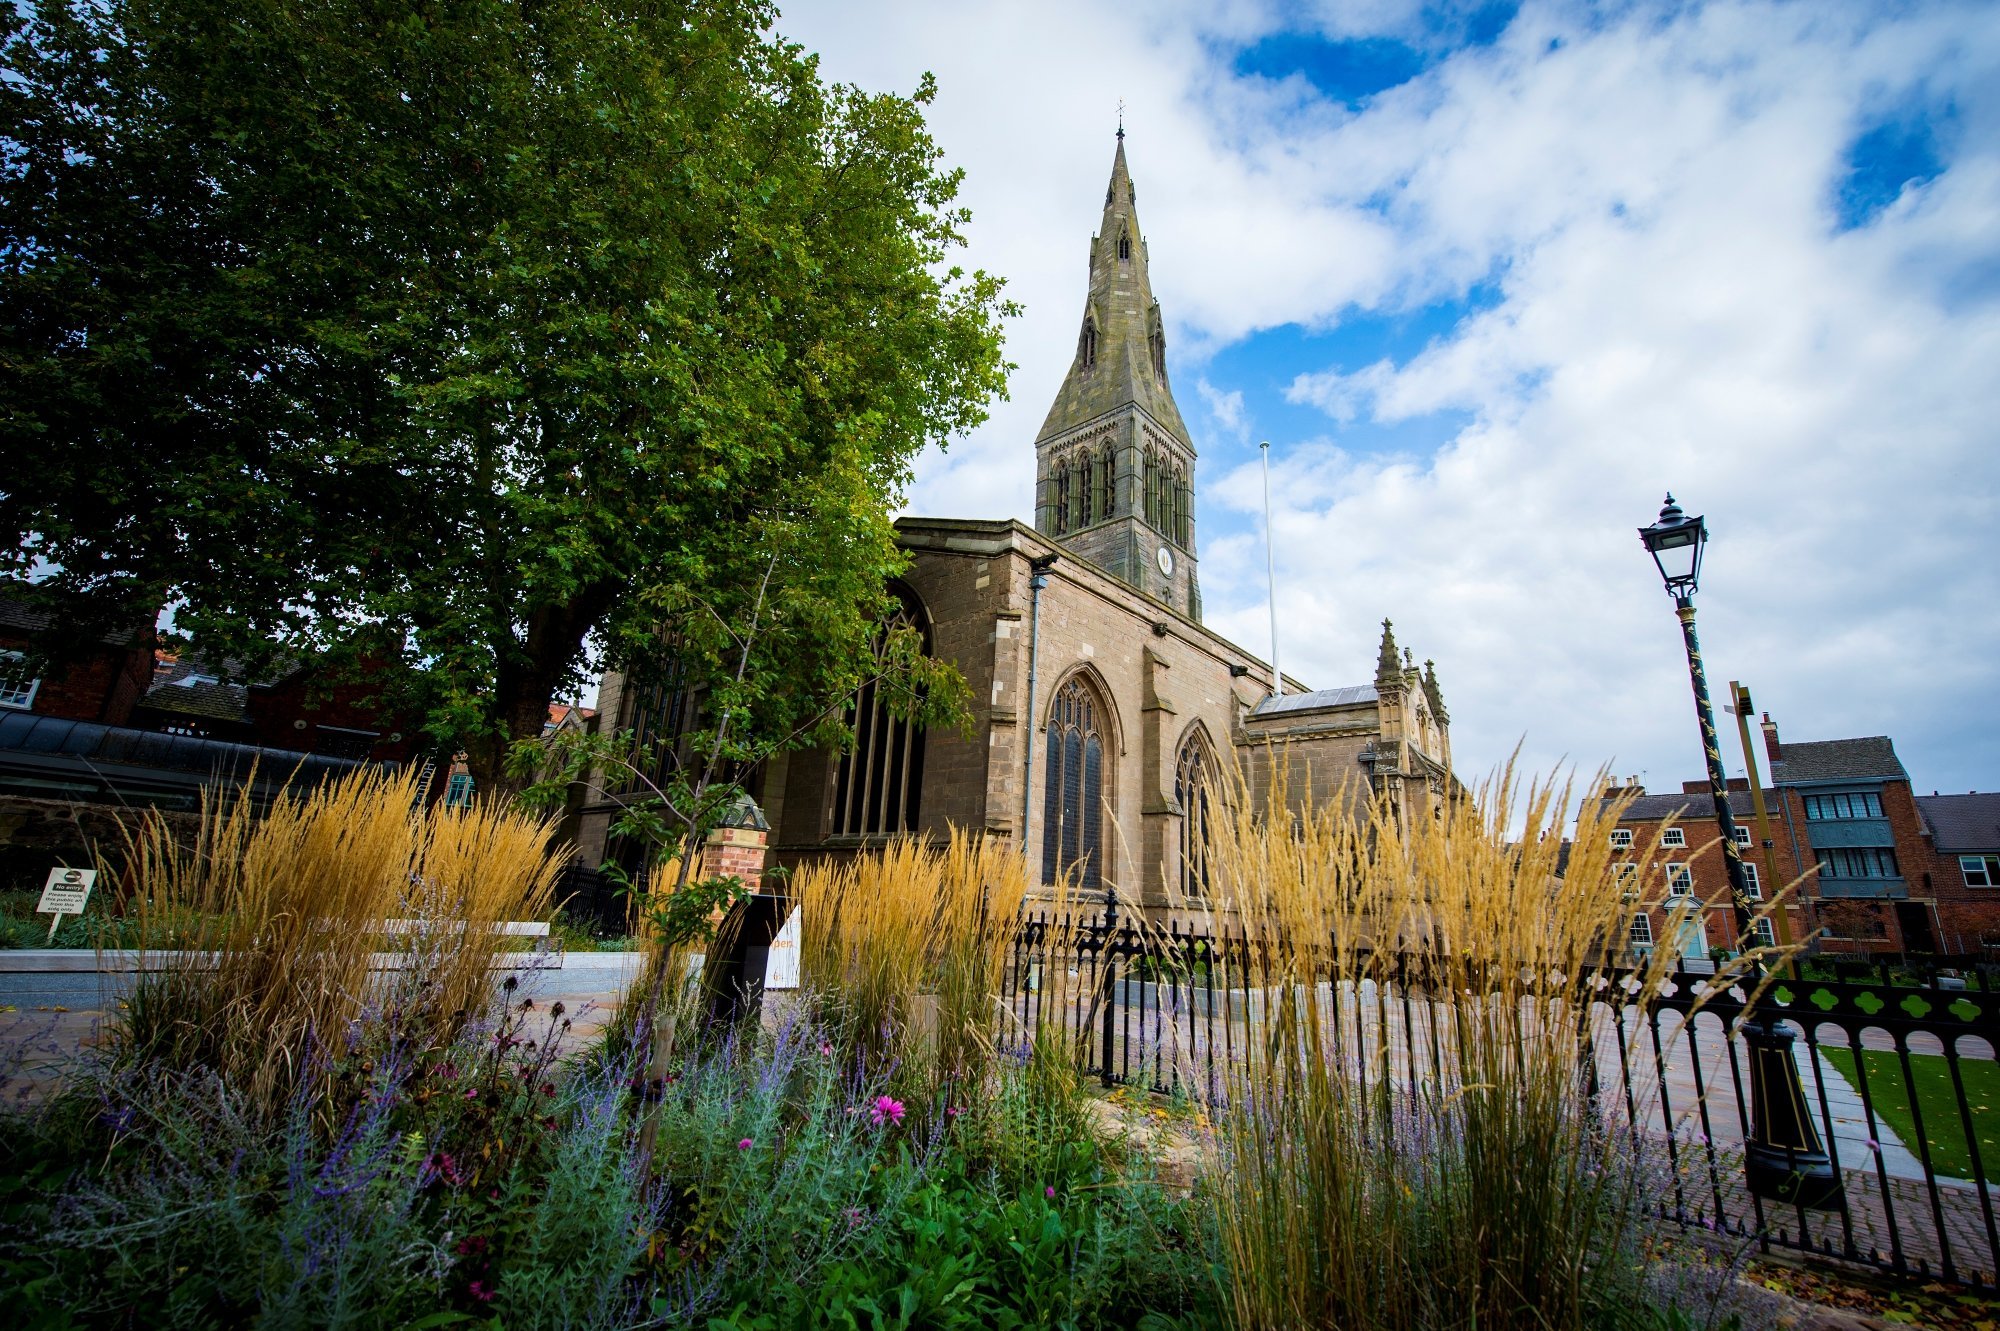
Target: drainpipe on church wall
<point>1037,579</point>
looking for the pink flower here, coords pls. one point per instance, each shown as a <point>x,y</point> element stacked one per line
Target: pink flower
<point>472,1092</point>
<point>825,1049</point>
<point>480,1290</point>
<point>1050,1192</point>
<point>745,1144</point>
<point>887,1111</point>
<point>954,1111</point>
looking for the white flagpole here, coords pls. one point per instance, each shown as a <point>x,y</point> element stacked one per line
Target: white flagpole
<point>1271,576</point>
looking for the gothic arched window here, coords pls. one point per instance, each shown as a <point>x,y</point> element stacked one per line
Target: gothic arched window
<point>1061,517</point>
<point>1087,345</point>
<point>1093,510</point>
<point>1152,509</point>
<point>1107,460</point>
<point>1194,787</point>
<point>879,784</point>
<point>1183,498</point>
<point>1124,246</point>
<point>1073,807</point>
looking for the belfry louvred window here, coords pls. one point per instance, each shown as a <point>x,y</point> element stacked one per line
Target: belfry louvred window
<point>1073,805</point>
<point>879,784</point>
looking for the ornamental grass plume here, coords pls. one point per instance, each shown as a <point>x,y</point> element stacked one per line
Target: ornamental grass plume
<point>910,944</point>
<point>1437,1164</point>
<point>349,898</point>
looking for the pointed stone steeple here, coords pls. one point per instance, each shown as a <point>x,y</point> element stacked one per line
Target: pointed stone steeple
<point>1434,693</point>
<point>1388,664</point>
<point>1114,467</point>
<point>1120,346</point>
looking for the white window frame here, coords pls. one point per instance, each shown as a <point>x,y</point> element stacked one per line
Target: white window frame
<point>1621,838</point>
<point>1766,935</point>
<point>1753,881</point>
<point>1627,876</point>
<point>1680,880</point>
<point>1673,836</point>
<point>1639,933</point>
<point>13,696</point>
<point>1986,866</point>
<point>1742,834</point>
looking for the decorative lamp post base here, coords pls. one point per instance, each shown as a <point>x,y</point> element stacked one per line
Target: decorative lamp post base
<point>1783,1158</point>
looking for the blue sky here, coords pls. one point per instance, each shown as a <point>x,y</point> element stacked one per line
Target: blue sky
<point>1492,278</point>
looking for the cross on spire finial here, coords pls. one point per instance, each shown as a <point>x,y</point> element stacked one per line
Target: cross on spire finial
<point>1121,117</point>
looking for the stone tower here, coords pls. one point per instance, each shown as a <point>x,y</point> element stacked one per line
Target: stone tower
<point>1114,469</point>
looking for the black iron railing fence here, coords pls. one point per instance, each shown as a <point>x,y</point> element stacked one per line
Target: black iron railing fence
<point>1897,1063</point>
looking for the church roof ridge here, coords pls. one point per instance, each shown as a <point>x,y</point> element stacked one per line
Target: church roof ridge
<point>1120,353</point>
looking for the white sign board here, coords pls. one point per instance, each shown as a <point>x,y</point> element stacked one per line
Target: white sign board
<point>781,966</point>
<point>67,890</point>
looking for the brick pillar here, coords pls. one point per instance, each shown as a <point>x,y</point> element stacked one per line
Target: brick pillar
<point>738,851</point>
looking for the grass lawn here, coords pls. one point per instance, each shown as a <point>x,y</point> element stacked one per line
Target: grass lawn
<point>1942,1123</point>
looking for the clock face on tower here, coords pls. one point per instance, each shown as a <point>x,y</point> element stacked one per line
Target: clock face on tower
<point>1166,558</point>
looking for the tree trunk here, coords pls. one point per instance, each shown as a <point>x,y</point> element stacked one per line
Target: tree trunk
<point>525,683</point>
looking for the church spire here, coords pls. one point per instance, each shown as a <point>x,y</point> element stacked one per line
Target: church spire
<point>1114,469</point>
<point>1121,347</point>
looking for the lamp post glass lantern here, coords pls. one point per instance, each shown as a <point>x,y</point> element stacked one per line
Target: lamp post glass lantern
<point>1783,1158</point>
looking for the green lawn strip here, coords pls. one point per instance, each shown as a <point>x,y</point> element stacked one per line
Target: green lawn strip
<point>1942,1122</point>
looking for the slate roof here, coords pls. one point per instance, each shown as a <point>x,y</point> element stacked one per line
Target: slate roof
<point>1868,758</point>
<point>189,687</point>
<point>1318,698</point>
<point>1962,822</point>
<point>24,618</point>
<point>1651,808</point>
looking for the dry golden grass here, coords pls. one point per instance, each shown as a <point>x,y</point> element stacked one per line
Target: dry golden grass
<point>278,923</point>
<point>1482,1191</point>
<point>909,944</point>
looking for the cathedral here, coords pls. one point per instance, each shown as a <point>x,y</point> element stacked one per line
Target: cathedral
<point>1103,711</point>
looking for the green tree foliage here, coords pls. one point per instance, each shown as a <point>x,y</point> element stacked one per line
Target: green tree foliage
<point>473,336</point>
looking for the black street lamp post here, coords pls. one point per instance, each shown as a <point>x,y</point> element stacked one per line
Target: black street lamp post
<point>1783,1156</point>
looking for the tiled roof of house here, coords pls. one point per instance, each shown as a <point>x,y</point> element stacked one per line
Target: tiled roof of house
<point>1652,808</point>
<point>1869,757</point>
<point>188,687</point>
<point>1962,822</point>
<point>1318,698</point>
<point>24,618</point>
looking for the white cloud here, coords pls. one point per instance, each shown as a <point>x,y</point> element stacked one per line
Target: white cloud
<point>1226,408</point>
<point>1649,198</point>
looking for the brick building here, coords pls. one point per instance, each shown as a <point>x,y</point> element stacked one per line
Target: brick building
<point>1880,869</point>
<point>102,684</point>
<point>1964,869</point>
<point>1672,858</point>
<point>296,709</point>
<point>1103,709</point>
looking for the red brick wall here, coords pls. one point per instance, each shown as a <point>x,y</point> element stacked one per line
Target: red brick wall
<point>1703,855</point>
<point>101,687</point>
<point>276,710</point>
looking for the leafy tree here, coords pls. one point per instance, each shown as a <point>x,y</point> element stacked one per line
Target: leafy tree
<point>474,336</point>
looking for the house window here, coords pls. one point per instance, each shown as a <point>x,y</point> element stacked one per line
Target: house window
<point>17,686</point>
<point>1621,838</point>
<point>1864,805</point>
<point>1742,835</point>
<point>1761,927</point>
<point>1680,880</point>
<point>879,784</point>
<point>458,791</point>
<point>1673,836</point>
<point>1073,808</point>
<point>1627,877</point>
<point>1980,870</point>
<point>1193,782</point>
<point>1859,862</point>
<point>1751,883</point>
<point>1642,929</point>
